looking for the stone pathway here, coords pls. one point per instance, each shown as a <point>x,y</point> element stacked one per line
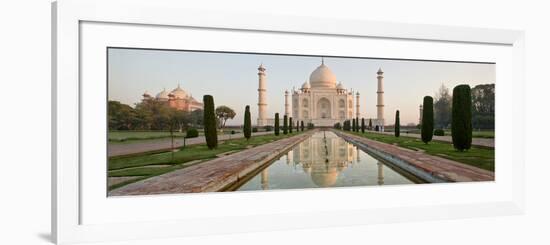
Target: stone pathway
<point>487,142</point>
<point>120,149</point>
<point>116,180</point>
<point>439,167</point>
<point>212,175</point>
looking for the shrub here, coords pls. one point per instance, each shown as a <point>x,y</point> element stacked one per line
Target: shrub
<point>277,124</point>
<point>310,126</point>
<point>370,124</point>
<point>461,122</point>
<point>397,128</point>
<point>285,124</point>
<point>376,128</point>
<point>439,132</point>
<point>210,130</point>
<point>427,119</point>
<point>233,132</point>
<point>191,133</point>
<point>254,130</point>
<point>268,128</point>
<point>247,127</point>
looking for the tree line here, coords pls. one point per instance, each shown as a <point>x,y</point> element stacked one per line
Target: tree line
<point>482,103</point>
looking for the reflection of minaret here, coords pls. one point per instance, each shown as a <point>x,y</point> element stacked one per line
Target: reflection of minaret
<point>380,174</point>
<point>264,179</point>
<point>420,117</point>
<point>262,98</point>
<point>289,157</point>
<point>287,105</point>
<point>357,153</point>
<point>380,99</point>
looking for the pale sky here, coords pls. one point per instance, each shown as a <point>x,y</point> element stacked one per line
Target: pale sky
<point>231,78</point>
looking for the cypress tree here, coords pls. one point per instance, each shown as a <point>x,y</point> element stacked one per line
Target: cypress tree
<point>247,128</point>
<point>357,124</point>
<point>290,125</point>
<point>353,124</point>
<point>427,119</point>
<point>210,131</point>
<point>461,123</point>
<point>285,124</point>
<point>362,125</point>
<point>397,127</point>
<point>277,124</point>
<point>302,126</point>
<point>297,126</point>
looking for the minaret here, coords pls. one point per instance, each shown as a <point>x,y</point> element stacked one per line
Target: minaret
<point>262,99</point>
<point>420,117</point>
<point>380,99</point>
<point>357,114</point>
<point>287,104</point>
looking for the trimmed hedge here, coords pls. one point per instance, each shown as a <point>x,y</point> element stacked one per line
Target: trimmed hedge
<point>210,130</point>
<point>247,128</point>
<point>461,122</point>
<point>439,132</point>
<point>191,133</point>
<point>427,119</point>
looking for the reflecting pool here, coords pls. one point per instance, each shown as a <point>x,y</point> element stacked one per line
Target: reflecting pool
<point>325,160</point>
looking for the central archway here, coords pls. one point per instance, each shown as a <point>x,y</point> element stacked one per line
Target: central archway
<point>324,109</point>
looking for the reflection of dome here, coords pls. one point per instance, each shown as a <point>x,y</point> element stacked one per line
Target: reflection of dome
<point>179,93</point>
<point>322,77</point>
<point>324,178</point>
<point>163,95</point>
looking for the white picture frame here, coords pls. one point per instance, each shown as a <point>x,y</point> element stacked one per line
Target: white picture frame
<point>68,17</point>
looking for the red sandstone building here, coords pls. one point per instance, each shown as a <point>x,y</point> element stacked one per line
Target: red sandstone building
<point>178,99</point>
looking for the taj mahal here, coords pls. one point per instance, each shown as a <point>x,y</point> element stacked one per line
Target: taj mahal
<point>322,100</point>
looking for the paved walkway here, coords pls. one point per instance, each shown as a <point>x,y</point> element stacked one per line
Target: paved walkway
<point>487,142</point>
<point>213,175</point>
<point>127,148</point>
<point>439,167</point>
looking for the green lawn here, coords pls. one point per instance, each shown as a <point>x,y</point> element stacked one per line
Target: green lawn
<point>480,157</point>
<point>120,136</point>
<point>140,165</point>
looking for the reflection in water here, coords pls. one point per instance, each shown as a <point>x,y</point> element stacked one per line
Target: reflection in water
<point>324,160</point>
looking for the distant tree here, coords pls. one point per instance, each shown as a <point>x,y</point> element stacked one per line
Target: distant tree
<point>210,130</point>
<point>277,124</point>
<point>347,126</point>
<point>362,125</point>
<point>427,119</point>
<point>442,107</point>
<point>462,118</point>
<point>224,113</point>
<point>397,127</point>
<point>483,106</point>
<point>377,128</point>
<point>290,125</point>
<point>370,124</point>
<point>247,128</point>
<point>302,126</point>
<point>357,124</point>
<point>120,116</point>
<point>310,126</point>
<point>353,124</point>
<point>297,126</point>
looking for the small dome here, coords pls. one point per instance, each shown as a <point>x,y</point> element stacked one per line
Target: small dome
<point>340,86</point>
<point>179,93</point>
<point>306,85</point>
<point>322,77</point>
<point>380,71</point>
<point>162,95</point>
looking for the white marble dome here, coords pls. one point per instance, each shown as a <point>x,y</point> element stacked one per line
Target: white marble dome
<point>306,85</point>
<point>179,93</point>
<point>163,95</point>
<point>322,77</point>
<point>340,86</point>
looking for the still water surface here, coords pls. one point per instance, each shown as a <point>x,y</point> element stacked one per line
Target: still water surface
<point>324,160</point>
